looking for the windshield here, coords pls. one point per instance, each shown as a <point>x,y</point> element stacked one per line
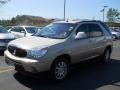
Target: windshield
<point>31,29</point>
<point>56,30</point>
<point>3,30</point>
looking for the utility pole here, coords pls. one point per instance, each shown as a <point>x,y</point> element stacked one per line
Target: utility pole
<point>64,9</point>
<point>103,11</point>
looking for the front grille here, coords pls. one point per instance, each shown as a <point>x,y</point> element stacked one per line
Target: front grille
<point>6,40</point>
<point>17,51</point>
<point>3,47</point>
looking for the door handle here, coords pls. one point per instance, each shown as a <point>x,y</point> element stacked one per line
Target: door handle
<point>104,38</point>
<point>90,40</point>
<point>94,40</point>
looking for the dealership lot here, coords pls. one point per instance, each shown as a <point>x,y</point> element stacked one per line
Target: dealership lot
<point>92,76</point>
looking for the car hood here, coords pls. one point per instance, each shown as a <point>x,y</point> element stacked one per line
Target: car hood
<point>34,42</point>
<point>6,36</point>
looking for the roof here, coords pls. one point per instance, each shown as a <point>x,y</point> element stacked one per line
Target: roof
<point>22,26</point>
<point>77,21</point>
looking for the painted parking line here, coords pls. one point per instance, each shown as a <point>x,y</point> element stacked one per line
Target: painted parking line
<point>116,46</point>
<point>6,70</point>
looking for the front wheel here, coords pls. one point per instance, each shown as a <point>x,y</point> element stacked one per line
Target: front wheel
<point>60,69</point>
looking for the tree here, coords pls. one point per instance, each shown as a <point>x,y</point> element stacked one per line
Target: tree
<point>2,2</point>
<point>13,20</point>
<point>113,15</point>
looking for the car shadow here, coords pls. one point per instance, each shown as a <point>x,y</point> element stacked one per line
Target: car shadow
<point>88,76</point>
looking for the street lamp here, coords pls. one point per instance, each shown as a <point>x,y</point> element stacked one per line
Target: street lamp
<point>103,10</point>
<point>64,9</point>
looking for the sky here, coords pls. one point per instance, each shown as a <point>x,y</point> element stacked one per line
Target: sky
<point>81,9</point>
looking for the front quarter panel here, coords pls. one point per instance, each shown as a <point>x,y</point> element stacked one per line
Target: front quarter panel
<point>58,50</point>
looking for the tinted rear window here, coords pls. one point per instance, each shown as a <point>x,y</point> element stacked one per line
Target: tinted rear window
<point>106,27</point>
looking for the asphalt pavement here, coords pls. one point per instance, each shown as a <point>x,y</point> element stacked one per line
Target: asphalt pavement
<point>88,76</point>
<point>3,65</point>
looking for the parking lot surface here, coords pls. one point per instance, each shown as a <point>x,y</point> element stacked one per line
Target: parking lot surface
<point>88,76</point>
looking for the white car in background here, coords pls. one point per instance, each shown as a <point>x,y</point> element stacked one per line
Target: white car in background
<point>23,31</point>
<point>5,38</point>
<point>115,34</point>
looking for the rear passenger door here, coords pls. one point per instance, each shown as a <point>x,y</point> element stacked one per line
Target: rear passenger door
<point>97,38</point>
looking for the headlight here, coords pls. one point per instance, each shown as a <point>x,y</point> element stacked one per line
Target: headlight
<point>36,54</point>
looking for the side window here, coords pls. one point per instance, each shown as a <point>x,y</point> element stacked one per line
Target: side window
<point>17,29</point>
<point>95,30</point>
<point>83,28</point>
<point>20,29</point>
<point>14,29</point>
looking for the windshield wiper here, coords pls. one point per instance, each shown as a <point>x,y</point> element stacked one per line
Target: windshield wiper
<point>43,36</point>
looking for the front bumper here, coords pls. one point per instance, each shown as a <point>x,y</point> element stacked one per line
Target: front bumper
<point>27,65</point>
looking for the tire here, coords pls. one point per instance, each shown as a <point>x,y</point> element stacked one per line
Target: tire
<point>106,56</point>
<point>115,37</point>
<point>59,69</point>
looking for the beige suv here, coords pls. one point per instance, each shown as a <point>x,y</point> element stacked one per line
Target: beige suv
<point>59,45</point>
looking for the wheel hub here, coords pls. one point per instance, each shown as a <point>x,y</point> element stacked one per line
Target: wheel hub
<point>61,70</point>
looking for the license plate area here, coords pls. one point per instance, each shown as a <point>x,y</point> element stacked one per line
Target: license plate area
<point>11,62</point>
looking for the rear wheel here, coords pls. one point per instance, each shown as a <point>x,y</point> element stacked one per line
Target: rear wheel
<point>106,56</point>
<point>60,69</point>
<point>114,36</point>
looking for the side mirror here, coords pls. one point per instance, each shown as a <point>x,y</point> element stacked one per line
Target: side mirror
<point>80,35</point>
<point>23,33</point>
<point>9,31</point>
<point>114,38</point>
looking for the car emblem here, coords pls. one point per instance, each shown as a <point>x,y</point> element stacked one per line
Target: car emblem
<point>14,52</point>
